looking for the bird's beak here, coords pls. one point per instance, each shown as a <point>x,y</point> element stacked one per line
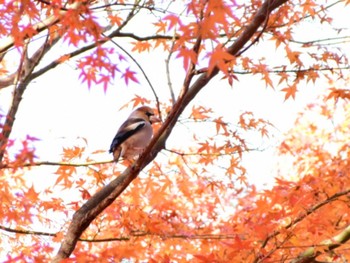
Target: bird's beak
<point>154,119</point>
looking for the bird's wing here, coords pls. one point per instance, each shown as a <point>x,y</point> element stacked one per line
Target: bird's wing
<point>128,128</point>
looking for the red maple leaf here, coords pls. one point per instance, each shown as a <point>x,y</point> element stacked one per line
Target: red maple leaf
<point>129,75</point>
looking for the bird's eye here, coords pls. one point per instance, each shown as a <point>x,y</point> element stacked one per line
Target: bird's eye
<point>149,114</point>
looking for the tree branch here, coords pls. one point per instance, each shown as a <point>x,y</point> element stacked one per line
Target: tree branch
<point>143,73</point>
<point>102,199</point>
<point>27,232</point>
<point>302,217</point>
<point>311,253</point>
<point>24,76</point>
<point>48,163</point>
<point>107,38</point>
<point>124,238</point>
<point>278,71</point>
<point>7,43</point>
<point>167,69</point>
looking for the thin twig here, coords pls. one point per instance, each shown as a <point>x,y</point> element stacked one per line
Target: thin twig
<point>49,163</point>
<point>167,68</point>
<point>124,238</point>
<point>143,73</point>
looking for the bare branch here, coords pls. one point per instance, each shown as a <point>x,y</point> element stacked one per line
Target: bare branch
<point>323,41</point>
<point>167,68</point>
<point>48,163</point>
<point>139,38</point>
<point>7,80</point>
<point>27,232</point>
<point>278,71</point>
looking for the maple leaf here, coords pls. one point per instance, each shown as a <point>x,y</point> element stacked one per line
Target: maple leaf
<point>220,58</point>
<point>284,77</point>
<point>312,75</point>
<point>163,42</point>
<point>262,69</point>
<point>188,55</point>
<point>290,92</point>
<point>85,193</point>
<point>115,19</point>
<point>141,46</point>
<point>137,100</point>
<point>220,124</point>
<point>204,147</point>
<point>105,80</point>
<point>63,58</point>
<point>173,21</point>
<point>88,76</point>
<point>293,56</point>
<point>338,93</point>
<point>129,75</point>
<point>161,26</point>
<point>264,132</point>
<point>31,194</point>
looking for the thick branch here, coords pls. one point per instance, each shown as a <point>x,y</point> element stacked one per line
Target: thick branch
<point>101,200</point>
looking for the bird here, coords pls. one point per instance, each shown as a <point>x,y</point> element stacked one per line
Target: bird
<point>134,134</point>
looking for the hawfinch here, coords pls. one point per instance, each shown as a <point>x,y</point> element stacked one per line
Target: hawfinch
<point>134,134</point>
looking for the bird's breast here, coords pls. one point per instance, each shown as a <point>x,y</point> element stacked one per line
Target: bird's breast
<point>137,142</point>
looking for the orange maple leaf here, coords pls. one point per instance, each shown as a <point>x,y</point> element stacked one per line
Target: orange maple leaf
<point>139,101</point>
<point>339,93</point>
<point>141,46</point>
<point>220,124</point>
<point>31,194</point>
<point>116,20</point>
<point>161,25</point>
<point>63,58</point>
<point>220,58</point>
<point>290,92</point>
<point>173,21</point>
<point>188,56</point>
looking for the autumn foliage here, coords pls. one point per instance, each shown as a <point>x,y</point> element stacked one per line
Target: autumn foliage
<point>189,199</point>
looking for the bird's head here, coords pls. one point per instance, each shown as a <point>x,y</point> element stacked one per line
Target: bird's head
<point>146,113</point>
